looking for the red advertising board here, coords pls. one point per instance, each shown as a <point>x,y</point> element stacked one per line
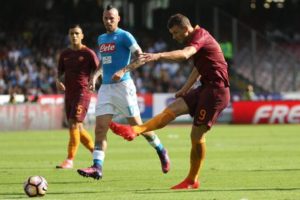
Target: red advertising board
<point>266,112</point>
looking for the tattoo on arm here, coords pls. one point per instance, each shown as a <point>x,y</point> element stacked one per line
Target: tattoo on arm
<point>135,64</point>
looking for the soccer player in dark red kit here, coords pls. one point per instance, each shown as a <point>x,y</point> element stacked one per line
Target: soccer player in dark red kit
<point>76,66</point>
<point>204,103</point>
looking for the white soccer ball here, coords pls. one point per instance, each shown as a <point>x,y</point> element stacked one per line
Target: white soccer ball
<point>35,186</point>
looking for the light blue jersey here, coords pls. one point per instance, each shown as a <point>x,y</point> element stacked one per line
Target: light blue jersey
<point>115,53</point>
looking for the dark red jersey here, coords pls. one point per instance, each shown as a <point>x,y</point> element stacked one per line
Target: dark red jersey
<point>209,59</point>
<point>77,65</point>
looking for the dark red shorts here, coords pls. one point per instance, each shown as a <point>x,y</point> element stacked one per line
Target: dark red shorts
<point>206,103</point>
<point>77,108</point>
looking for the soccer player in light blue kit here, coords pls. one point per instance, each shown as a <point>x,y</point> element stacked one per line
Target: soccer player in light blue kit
<point>117,97</point>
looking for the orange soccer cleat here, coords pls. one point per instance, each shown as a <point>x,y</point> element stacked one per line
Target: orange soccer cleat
<point>186,185</point>
<point>124,131</point>
<point>66,164</point>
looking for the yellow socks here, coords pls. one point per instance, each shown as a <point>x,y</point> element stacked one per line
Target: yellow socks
<point>197,157</point>
<point>74,141</point>
<point>86,140</point>
<point>156,122</point>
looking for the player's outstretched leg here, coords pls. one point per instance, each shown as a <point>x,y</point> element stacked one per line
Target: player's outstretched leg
<point>124,131</point>
<point>93,172</point>
<point>186,184</point>
<point>164,160</point>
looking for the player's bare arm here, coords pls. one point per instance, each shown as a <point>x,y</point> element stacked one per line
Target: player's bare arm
<point>130,67</point>
<point>193,77</point>
<point>176,55</point>
<point>94,77</point>
<point>59,82</point>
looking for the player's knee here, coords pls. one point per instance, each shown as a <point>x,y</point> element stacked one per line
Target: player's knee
<point>73,124</point>
<point>203,129</point>
<point>198,134</point>
<point>202,140</point>
<point>101,129</point>
<point>177,108</point>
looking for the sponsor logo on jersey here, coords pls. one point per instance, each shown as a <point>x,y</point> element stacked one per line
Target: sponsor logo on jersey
<point>106,60</point>
<point>81,58</point>
<point>107,47</point>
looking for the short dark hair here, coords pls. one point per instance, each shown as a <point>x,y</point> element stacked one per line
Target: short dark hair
<point>109,7</point>
<point>75,26</point>
<point>178,20</point>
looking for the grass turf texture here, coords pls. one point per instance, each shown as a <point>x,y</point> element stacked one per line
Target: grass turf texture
<point>243,163</point>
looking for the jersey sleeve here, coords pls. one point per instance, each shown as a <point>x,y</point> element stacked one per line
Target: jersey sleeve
<point>98,49</point>
<point>198,40</point>
<point>94,60</point>
<point>61,67</point>
<point>130,42</point>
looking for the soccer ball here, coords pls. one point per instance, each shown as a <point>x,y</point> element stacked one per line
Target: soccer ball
<point>35,186</point>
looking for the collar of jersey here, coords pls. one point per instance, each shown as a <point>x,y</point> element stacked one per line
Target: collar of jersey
<point>117,30</point>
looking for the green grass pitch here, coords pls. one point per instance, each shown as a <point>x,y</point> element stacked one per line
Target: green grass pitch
<point>243,163</point>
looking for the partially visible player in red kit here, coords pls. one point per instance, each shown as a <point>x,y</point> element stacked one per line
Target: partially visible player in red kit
<point>204,103</point>
<point>76,66</point>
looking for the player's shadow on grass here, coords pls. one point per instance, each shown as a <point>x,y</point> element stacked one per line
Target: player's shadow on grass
<point>13,195</point>
<point>55,182</point>
<point>274,170</point>
<point>148,191</point>
<point>260,170</point>
<point>71,193</point>
<point>156,191</point>
<point>67,182</point>
<point>18,183</point>
<point>82,181</point>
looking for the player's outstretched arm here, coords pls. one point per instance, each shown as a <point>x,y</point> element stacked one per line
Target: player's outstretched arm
<point>176,55</point>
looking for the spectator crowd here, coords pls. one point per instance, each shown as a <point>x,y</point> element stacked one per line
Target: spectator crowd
<point>28,61</point>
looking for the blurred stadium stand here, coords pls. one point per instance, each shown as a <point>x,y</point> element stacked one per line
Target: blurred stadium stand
<point>262,61</point>
<point>264,36</point>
